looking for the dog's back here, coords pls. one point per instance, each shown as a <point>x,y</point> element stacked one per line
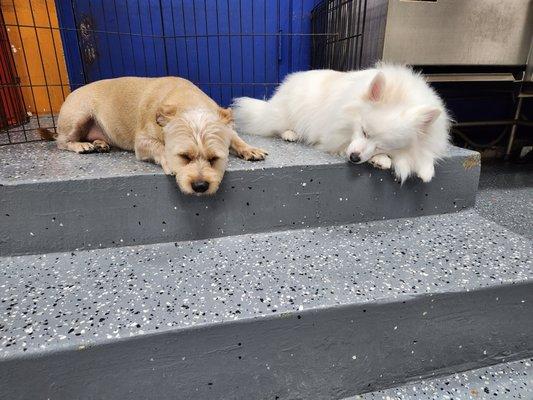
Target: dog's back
<point>122,107</point>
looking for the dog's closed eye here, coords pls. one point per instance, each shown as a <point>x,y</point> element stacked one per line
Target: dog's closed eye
<point>185,157</point>
<point>213,160</point>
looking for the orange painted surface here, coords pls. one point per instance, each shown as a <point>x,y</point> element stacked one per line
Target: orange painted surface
<point>38,53</point>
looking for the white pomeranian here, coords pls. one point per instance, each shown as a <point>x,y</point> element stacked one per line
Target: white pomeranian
<point>386,115</point>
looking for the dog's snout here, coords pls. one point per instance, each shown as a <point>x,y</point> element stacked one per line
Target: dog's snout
<point>200,186</point>
<point>354,157</point>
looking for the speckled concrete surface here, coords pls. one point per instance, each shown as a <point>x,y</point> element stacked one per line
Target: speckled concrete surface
<point>43,162</point>
<point>79,298</point>
<point>506,381</point>
<point>505,196</point>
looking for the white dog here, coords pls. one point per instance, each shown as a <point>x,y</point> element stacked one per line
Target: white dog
<point>387,115</point>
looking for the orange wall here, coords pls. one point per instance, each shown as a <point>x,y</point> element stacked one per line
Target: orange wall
<point>44,81</point>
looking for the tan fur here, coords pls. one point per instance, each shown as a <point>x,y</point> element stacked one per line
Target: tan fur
<point>163,120</point>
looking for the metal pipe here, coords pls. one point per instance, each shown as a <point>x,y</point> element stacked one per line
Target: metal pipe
<point>514,128</point>
<point>529,65</point>
<point>493,123</point>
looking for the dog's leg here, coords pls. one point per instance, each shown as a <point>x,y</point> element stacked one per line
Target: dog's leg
<point>96,135</point>
<point>290,136</point>
<point>77,147</point>
<point>147,149</point>
<point>244,150</point>
<point>72,131</point>
<point>381,161</point>
<point>402,168</point>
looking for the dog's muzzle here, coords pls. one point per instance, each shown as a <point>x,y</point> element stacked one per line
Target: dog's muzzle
<point>355,158</point>
<point>200,186</point>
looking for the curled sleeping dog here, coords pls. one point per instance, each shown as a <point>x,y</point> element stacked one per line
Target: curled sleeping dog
<point>387,115</point>
<point>167,120</point>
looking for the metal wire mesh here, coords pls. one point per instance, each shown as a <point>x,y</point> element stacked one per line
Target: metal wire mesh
<point>342,51</point>
<point>229,48</point>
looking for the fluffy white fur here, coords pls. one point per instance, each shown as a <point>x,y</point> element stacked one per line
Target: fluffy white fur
<point>386,115</point>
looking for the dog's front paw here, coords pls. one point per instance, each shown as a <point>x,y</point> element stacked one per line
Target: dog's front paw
<point>381,161</point>
<point>253,154</point>
<point>426,173</point>
<point>164,164</point>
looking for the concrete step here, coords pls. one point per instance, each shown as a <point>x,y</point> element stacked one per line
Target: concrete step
<point>53,200</point>
<point>323,313</point>
<point>505,381</point>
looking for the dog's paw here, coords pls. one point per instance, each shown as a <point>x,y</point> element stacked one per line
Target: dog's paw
<point>381,161</point>
<point>101,147</point>
<point>253,154</point>
<point>402,169</point>
<point>426,173</point>
<point>83,147</point>
<point>290,136</point>
<point>164,164</point>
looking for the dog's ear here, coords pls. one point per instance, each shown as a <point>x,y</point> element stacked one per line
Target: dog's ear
<point>226,115</point>
<point>425,116</point>
<point>165,113</point>
<point>375,91</point>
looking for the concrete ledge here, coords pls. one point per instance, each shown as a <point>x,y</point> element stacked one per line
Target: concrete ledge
<point>59,201</point>
<point>327,355</point>
<point>307,314</point>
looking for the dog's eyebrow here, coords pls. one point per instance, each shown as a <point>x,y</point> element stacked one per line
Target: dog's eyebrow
<point>188,154</point>
<point>212,154</point>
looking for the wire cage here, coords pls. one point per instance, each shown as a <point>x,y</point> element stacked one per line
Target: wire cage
<point>343,50</point>
<point>229,48</point>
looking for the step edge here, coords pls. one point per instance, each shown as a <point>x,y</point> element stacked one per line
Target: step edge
<point>245,321</point>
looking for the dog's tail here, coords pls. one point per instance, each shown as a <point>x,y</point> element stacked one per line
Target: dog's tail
<point>257,117</point>
<point>47,134</point>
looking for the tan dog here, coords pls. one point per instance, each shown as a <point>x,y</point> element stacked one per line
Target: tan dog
<point>167,120</point>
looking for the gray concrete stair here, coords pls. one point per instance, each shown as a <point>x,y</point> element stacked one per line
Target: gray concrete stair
<point>53,200</point>
<point>314,313</point>
<point>505,381</point>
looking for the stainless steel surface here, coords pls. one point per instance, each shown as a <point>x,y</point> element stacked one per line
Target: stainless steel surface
<point>486,77</point>
<point>458,32</point>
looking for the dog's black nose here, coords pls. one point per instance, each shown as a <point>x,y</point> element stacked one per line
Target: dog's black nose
<point>200,186</point>
<point>354,157</point>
